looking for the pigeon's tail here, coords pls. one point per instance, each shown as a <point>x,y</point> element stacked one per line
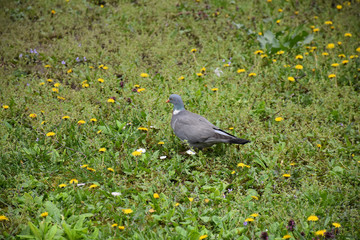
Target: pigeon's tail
<point>238,141</point>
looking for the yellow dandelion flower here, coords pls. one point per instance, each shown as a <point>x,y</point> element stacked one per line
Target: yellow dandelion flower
<point>339,7</point>
<point>331,76</point>
<point>203,70</point>
<point>335,65</point>
<point>287,236</point>
<point>191,199</point>
<point>42,83</point>
<point>199,74</point>
<point>32,115</point>
<point>177,204</point>
<point>5,107</point>
<point>278,21</point>
<point>332,27</point>
<point>136,153</point>
<point>56,90</point>
<point>44,214</point>
<point>69,71</point>
<point>49,80</point>
<point>62,185</point>
<point>296,12</point>
<point>358,49</point>
<point>110,100</point>
<point>141,89</point>
<point>57,85</point>
<point>193,50</point>
<point>91,169</point>
<point>255,197</point>
<point>339,43</point>
<point>3,218</point>
<point>233,172</point>
<point>299,57</point>
<point>354,56</point>
<point>318,145</point>
<point>330,46</point>
<point>93,186</point>
<point>260,33</point>
<point>101,66</point>
<point>214,89</point>
<point>254,215</point>
<point>144,75</point>
<point>345,62</point>
<point>65,117</point>
<point>127,211</point>
<point>161,143</point>
<point>299,67</point>
<point>258,52</point>
<point>328,22</point>
<point>110,169</point>
<point>43,122</point>
<point>291,79</point>
<point>203,237</point>
<point>279,119</point>
<point>252,74</point>
<point>121,227</point>
<point>280,52</point>
<point>231,128</point>
<point>325,54</point>
<point>320,232</point>
<point>102,150</point>
<point>274,60</point>
<point>336,225</point>
<point>114,225</point>
<point>316,30</point>
<point>152,210</point>
<point>81,122</point>
<point>53,11</point>
<point>93,120</point>
<point>143,129</point>
<point>292,164</point>
<point>74,181</point>
<point>156,195</point>
<point>249,220</point>
<point>181,78</point>
<point>313,218</point>
<point>100,80</point>
<point>47,66</point>
<point>84,166</point>
<point>60,98</point>
<point>50,134</point>
<point>206,200</point>
<point>286,175</point>
<point>240,70</point>
<point>105,67</point>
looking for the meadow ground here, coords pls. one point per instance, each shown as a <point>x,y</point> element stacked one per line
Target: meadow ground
<point>87,151</point>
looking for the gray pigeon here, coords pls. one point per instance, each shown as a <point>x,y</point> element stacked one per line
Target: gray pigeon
<point>195,129</point>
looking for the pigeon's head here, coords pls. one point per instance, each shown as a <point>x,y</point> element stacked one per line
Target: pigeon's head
<point>176,101</point>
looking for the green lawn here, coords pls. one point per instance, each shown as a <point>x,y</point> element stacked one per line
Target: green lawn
<point>87,147</point>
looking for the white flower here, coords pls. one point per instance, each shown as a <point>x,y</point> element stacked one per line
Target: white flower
<point>190,152</point>
<point>115,193</point>
<point>163,157</point>
<point>80,184</point>
<point>218,72</point>
<point>142,150</point>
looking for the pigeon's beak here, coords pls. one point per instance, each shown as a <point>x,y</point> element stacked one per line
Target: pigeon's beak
<point>168,100</point>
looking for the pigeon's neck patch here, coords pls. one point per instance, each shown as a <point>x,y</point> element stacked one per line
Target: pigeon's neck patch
<point>176,111</point>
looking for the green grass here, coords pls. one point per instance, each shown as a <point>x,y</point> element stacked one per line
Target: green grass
<point>317,142</point>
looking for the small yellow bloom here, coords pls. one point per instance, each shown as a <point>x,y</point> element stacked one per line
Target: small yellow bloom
<point>339,43</point>
<point>84,166</point>
<point>354,56</point>
<point>3,218</point>
<point>240,70</point>
<point>280,10</point>
<point>42,83</point>
<point>161,143</point>
<point>94,186</point>
<point>335,65</point>
<point>330,46</point>
<point>292,164</point>
<point>144,75</point>
<point>320,232</point>
<point>203,70</point>
<point>69,71</point>
<point>43,122</point>
<point>181,78</point>
<point>336,225</point>
<point>74,181</point>
<point>98,132</point>
<point>85,85</point>
<point>231,128</point>
<point>280,52</point>
<point>193,50</point>
<point>60,98</point>
<point>258,52</point>
<point>345,62</point>
<point>101,66</point>
<point>313,218</point>
<point>249,220</point>
<point>291,79</point>
<point>206,200</point>
<point>299,67</point>
<point>279,119</point>
<point>56,90</point>
<point>325,54</point>
<point>252,74</point>
<point>5,107</point>
<point>318,145</point>
<point>141,89</point>
<point>62,185</point>
<point>331,76</point>
<point>44,214</point>
<point>81,122</point>
<point>316,30</point>
<point>102,150</point>
<point>254,215</point>
<point>65,117</point>
<point>328,22</point>
<point>177,204</point>
<point>287,236</point>
<point>33,115</point>
<point>110,169</point>
<point>214,89</point>
<point>136,153</point>
<point>152,210</point>
<point>242,165</point>
<point>260,33</point>
<point>358,50</point>
<point>286,175</point>
<point>316,17</point>
<point>156,195</point>
<point>127,211</point>
<point>110,100</point>
<point>143,129</point>
<point>47,66</point>
<point>50,134</point>
<point>91,169</point>
<point>278,21</point>
<point>121,227</point>
<point>114,225</point>
<point>233,172</point>
<point>339,7</point>
<point>199,74</point>
<point>105,67</point>
<point>53,12</point>
<point>191,199</point>
<point>299,57</point>
<point>93,120</point>
<point>57,85</point>
<point>203,237</point>
<point>255,197</point>
<point>100,80</point>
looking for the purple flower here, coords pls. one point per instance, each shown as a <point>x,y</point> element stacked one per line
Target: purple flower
<point>31,51</point>
<point>78,59</point>
<point>245,223</point>
<point>28,84</point>
<point>37,139</point>
<point>121,84</point>
<point>63,62</point>
<point>230,190</point>
<point>79,45</point>
<point>223,60</point>
<point>35,51</point>
<point>229,62</point>
<point>84,59</point>
<point>20,55</point>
